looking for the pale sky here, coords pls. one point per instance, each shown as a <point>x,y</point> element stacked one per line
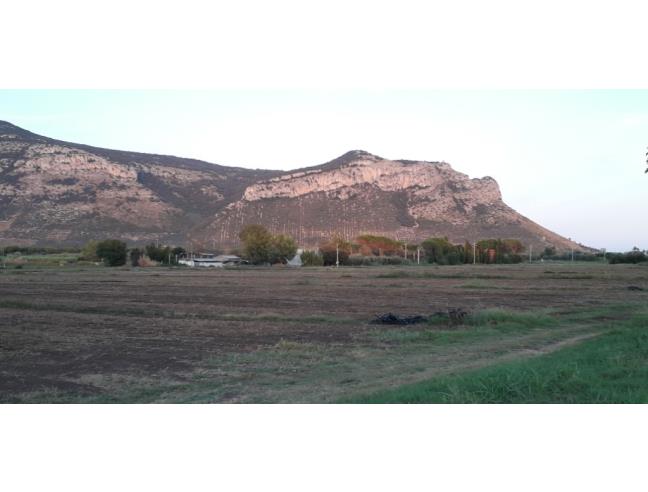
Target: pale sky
<point>573,161</point>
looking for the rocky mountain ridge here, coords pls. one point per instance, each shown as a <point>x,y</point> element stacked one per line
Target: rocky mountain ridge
<point>65,193</point>
<point>60,192</point>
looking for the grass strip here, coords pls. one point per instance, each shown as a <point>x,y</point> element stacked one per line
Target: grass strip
<point>610,368</point>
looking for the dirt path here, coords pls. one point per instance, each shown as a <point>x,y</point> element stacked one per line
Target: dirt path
<point>369,372</point>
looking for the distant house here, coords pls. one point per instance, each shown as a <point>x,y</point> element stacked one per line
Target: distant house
<point>211,260</point>
<point>231,260</point>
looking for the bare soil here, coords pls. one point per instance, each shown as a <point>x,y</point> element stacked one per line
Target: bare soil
<point>72,334</point>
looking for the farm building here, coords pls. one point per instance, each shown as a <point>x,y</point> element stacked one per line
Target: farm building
<point>211,260</point>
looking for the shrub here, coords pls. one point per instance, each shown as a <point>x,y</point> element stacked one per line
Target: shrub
<point>158,253</point>
<point>311,259</point>
<point>634,256</point>
<point>145,261</point>
<point>163,254</point>
<point>441,251</point>
<point>393,260</point>
<point>35,250</point>
<point>510,258</point>
<point>112,252</point>
<point>89,251</point>
<point>177,253</point>
<point>499,251</point>
<point>336,248</point>
<point>378,245</point>
<point>360,260</point>
<point>135,255</point>
<point>578,256</point>
<point>453,258</point>
<point>282,249</point>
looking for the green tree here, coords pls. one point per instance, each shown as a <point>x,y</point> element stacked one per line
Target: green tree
<point>112,252</point>
<point>89,251</point>
<point>177,253</point>
<point>335,248</point>
<point>163,254</point>
<point>135,255</point>
<point>282,248</point>
<point>379,245</point>
<point>158,253</point>
<point>499,250</point>
<point>437,250</point>
<point>257,243</point>
<point>468,252</point>
<point>548,252</point>
<point>311,258</point>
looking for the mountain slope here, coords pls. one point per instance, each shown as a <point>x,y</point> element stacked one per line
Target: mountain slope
<point>54,191</point>
<point>59,192</point>
<point>361,193</point>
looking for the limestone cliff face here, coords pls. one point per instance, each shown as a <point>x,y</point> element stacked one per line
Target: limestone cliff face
<point>360,193</point>
<point>59,192</point>
<point>384,174</point>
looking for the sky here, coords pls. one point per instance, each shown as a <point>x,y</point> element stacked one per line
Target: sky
<point>571,160</point>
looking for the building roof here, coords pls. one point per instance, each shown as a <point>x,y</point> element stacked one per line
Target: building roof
<point>228,258</point>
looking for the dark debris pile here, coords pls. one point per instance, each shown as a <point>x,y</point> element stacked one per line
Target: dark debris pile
<point>395,319</point>
<point>455,316</point>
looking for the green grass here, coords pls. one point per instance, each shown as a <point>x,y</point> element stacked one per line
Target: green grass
<point>610,368</point>
<point>488,323</point>
<point>480,324</point>
<point>44,260</point>
<point>504,319</point>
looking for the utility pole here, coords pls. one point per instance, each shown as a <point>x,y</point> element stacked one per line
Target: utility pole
<point>337,255</point>
<point>418,255</point>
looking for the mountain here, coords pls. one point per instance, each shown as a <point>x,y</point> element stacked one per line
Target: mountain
<point>360,193</point>
<point>60,192</point>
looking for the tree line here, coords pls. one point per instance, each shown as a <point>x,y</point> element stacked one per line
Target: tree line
<point>113,252</point>
<point>260,246</point>
<point>372,249</point>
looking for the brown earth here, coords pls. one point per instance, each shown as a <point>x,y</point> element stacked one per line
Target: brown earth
<point>72,333</point>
